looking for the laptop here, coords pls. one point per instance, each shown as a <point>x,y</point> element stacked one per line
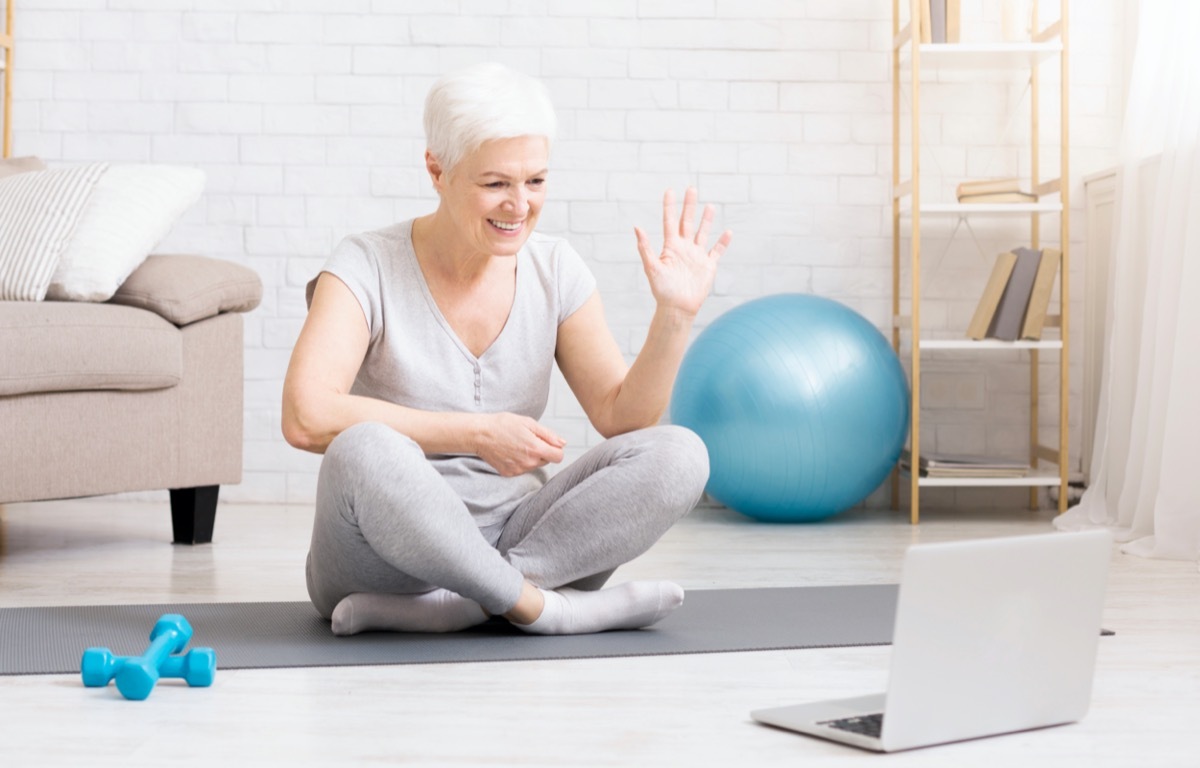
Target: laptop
<point>992,636</point>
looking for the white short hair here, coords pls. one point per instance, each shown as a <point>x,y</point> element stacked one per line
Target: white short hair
<point>481,103</point>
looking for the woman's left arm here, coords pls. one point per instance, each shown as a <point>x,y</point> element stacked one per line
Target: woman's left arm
<point>619,398</point>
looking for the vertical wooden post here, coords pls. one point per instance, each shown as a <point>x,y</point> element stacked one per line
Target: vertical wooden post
<point>915,251</point>
<point>8,42</point>
<point>895,211</point>
<point>1064,278</point>
<point>1035,231</point>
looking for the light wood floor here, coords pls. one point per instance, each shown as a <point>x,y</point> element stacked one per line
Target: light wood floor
<point>665,710</point>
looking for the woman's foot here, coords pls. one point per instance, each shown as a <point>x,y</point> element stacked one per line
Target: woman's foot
<point>437,611</point>
<point>632,605</point>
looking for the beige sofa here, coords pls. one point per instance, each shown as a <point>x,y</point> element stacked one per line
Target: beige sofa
<point>143,392</point>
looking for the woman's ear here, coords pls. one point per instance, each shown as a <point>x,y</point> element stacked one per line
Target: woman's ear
<point>436,174</point>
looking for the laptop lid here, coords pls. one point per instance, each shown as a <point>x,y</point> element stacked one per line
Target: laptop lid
<point>994,636</point>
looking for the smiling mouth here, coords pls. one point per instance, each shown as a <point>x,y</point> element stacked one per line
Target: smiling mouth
<point>507,226</point>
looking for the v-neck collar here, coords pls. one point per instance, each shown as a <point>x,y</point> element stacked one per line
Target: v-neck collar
<point>441,318</point>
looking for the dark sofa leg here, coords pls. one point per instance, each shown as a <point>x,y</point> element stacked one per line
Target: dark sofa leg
<point>193,512</point>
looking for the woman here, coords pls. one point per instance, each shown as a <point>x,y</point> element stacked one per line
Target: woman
<point>422,369</point>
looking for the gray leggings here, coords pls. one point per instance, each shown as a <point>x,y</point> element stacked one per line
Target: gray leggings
<point>387,522</point>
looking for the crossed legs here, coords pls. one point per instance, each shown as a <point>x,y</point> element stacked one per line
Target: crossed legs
<point>394,547</point>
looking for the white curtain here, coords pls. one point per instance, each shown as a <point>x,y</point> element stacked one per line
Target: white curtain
<point>1145,481</point>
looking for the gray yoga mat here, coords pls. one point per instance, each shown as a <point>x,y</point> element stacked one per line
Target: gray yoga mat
<point>259,635</point>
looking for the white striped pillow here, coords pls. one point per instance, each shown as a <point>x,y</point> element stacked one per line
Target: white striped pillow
<point>38,214</point>
<point>133,207</point>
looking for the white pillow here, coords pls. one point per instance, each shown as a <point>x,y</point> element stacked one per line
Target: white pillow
<point>132,208</point>
<point>39,211</point>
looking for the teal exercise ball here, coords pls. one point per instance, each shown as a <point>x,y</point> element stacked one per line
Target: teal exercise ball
<point>801,402</point>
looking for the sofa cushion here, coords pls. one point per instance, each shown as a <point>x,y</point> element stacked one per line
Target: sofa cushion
<point>132,208</point>
<point>55,346</point>
<point>38,214</point>
<point>184,289</point>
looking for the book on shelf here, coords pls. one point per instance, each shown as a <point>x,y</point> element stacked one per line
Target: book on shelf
<point>937,21</point>
<point>991,296</point>
<point>999,197</point>
<point>964,465</point>
<point>1010,313</point>
<point>981,186</point>
<point>1039,297</point>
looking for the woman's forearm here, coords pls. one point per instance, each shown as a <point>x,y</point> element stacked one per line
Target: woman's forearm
<point>312,422</point>
<point>642,397</point>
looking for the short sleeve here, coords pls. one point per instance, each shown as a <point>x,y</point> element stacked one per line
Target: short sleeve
<point>576,284</point>
<point>356,264</point>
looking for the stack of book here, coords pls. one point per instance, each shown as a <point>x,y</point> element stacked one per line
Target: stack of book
<point>1017,295</point>
<point>993,191</point>
<point>939,21</point>
<point>964,465</point>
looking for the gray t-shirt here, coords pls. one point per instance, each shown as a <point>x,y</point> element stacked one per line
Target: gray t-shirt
<point>415,359</point>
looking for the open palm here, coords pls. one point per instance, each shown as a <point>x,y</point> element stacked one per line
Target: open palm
<point>681,275</point>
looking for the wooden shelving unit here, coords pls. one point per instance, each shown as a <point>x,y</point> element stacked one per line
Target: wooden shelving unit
<point>912,59</point>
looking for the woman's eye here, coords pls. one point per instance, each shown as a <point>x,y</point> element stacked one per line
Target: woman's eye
<point>536,182</point>
<point>496,185</point>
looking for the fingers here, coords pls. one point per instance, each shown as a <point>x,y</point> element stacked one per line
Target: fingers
<point>708,214</point>
<point>645,249</point>
<point>544,453</point>
<point>548,436</point>
<point>722,243</point>
<point>552,455</point>
<point>550,448</point>
<point>706,220</point>
<point>668,211</point>
<point>521,445</point>
<point>689,213</point>
<point>685,225</point>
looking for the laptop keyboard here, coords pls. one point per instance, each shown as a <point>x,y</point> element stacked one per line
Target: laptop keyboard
<point>866,725</point>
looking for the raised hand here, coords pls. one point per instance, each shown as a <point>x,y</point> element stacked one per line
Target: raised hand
<point>681,276</point>
<point>515,444</point>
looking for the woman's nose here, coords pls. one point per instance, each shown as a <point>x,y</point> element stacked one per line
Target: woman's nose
<point>518,200</point>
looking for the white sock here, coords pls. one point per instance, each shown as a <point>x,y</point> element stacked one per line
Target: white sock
<point>437,611</point>
<point>632,605</point>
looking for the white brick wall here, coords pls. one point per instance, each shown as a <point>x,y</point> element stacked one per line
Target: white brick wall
<point>306,117</point>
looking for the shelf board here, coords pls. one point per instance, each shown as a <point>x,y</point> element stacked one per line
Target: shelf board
<point>1036,477</point>
<point>1045,477</point>
<point>989,344</point>
<point>988,209</point>
<point>986,55</point>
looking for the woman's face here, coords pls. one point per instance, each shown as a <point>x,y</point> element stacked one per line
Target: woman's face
<point>495,194</point>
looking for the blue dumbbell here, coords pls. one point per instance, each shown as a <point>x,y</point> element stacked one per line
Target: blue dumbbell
<point>136,676</point>
<point>198,667</point>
